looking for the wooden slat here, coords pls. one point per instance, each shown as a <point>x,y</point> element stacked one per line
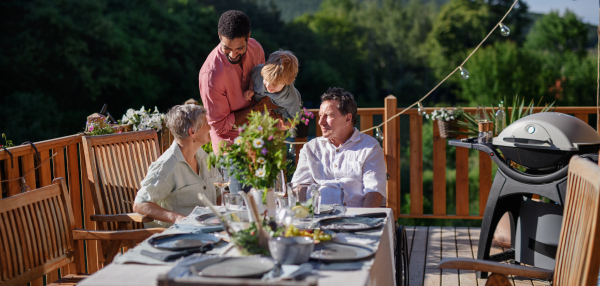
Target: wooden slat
<point>54,229</point>
<point>463,248</point>
<point>21,150</point>
<point>430,216</point>
<point>28,165</point>
<point>366,122</point>
<point>44,169</point>
<point>417,256</point>
<point>582,116</point>
<point>14,186</point>
<point>8,242</point>
<point>91,246</point>
<point>485,180</point>
<point>58,163</point>
<point>433,256</point>
<point>75,196</point>
<point>416,164</point>
<point>392,156</point>
<point>410,232</point>
<point>439,172</point>
<point>449,276</point>
<point>462,179</point>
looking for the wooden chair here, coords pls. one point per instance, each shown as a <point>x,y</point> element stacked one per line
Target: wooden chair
<point>577,259</point>
<point>116,164</point>
<point>38,235</point>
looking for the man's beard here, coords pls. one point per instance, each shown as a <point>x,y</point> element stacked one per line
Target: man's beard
<point>238,60</point>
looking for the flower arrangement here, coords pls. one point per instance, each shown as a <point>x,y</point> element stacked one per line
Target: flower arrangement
<point>258,153</point>
<point>144,119</point>
<point>100,126</point>
<point>444,114</point>
<point>306,116</point>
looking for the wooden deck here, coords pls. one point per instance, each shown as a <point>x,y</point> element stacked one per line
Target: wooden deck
<point>428,245</point>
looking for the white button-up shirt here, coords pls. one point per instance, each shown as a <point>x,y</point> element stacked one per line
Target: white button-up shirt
<point>172,184</point>
<point>353,169</point>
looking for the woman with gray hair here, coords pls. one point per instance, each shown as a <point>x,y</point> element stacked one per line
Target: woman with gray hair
<point>170,190</point>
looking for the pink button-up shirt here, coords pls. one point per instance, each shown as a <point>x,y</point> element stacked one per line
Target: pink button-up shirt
<point>222,87</point>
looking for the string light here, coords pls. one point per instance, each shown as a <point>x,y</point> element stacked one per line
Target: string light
<point>378,134</point>
<point>420,109</point>
<point>505,31</point>
<point>464,73</point>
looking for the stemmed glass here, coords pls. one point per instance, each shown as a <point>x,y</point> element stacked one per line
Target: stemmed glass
<point>280,190</point>
<point>223,181</point>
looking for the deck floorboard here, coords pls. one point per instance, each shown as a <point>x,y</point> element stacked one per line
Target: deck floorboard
<point>428,245</point>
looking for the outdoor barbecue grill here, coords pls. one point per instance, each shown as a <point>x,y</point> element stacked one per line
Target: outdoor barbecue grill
<point>542,143</point>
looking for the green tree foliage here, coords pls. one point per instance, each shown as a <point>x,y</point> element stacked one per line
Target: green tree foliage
<point>558,34</point>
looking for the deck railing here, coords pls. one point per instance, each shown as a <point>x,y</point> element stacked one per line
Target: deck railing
<point>391,147</point>
<point>69,163</point>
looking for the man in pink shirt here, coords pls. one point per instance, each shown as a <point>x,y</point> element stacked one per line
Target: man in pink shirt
<point>225,75</point>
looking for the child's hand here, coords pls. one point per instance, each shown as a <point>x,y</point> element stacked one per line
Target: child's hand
<point>281,125</point>
<point>248,94</point>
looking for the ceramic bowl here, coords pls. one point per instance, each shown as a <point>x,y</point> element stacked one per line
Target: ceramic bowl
<point>291,250</point>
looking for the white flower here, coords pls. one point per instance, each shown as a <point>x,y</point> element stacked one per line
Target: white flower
<point>142,110</point>
<point>156,110</point>
<point>261,160</point>
<point>258,143</point>
<point>427,116</point>
<point>260,173</point>
<point>451,117</point>
<point>130,112</point>
<point>238,140</point>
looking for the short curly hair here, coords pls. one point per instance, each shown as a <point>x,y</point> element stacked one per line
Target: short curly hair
<point>280,68</point>
<point>234,24</point>
<point>346,103</point>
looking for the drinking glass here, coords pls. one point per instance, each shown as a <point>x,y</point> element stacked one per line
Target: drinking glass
<point>304,194</point>
<point>223,181</point>
<point>480,114</point>
<point>233,202</point>
<point>280,190</point>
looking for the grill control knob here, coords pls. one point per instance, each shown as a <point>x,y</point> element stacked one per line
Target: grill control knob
<point>531,129</point>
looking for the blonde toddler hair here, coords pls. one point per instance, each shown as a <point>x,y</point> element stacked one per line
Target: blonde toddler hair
<point>280,68</point>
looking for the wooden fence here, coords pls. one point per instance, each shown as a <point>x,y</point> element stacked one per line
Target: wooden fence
<point>70,164</point>
<point>391,148</point>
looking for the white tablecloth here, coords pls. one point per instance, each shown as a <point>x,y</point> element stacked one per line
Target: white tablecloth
<point>381,272</point>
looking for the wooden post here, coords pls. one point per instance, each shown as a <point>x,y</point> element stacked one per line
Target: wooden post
<point>392,156</point>
<point>439,172</point>
<point>416,164</point>
<point>462,179</point>
<point>485,179</point>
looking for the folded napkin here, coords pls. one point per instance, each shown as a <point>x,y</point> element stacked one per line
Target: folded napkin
<point>356,239</point>
<point>174,255</point>
<point>188,228</point>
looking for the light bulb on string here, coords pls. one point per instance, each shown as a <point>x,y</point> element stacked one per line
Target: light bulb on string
<point>420,109</point>
<point>378,134</point>
<point>464,73</point>
<point>505,31</point>
<point>291,150</point>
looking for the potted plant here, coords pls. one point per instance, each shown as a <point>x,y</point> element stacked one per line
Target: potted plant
<point>301,129</point>
<point>446,120</point>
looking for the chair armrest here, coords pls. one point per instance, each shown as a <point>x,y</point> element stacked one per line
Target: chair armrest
<point>495,267</point>
<point>135,234</point>
<point>128,217</point>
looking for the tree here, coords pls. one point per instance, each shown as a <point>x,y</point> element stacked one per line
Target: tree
<point>558,34</point>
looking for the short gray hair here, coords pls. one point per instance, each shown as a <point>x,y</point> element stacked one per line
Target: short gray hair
<point>346,103</point>
<point>180,118</point>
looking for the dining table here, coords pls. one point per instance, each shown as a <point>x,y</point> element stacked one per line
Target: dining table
<point>136,268</point>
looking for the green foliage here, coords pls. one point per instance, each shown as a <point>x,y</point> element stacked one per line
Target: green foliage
<point>7,143</point>
<point>518,108</point>
<point>257,154</point>
<point>558,34</point>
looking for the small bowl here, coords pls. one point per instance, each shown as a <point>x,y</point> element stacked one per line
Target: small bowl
<point>291,250</point>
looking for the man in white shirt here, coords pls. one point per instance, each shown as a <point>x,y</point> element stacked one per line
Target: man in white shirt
<point>348,165</point>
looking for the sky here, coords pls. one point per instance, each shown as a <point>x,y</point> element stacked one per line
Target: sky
<point>586,9</point>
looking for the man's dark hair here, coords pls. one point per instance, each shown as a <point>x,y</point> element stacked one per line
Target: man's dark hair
<point>234,24</point>
<point>346,103</point>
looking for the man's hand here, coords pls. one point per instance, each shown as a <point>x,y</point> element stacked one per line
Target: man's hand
<point>248,94</point>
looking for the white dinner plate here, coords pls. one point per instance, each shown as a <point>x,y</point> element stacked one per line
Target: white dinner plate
<point>239,267</point>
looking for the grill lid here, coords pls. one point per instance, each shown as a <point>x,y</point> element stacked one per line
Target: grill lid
<point>548,130</point>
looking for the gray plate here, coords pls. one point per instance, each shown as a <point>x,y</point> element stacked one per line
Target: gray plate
<point>239,267</point>
<point>340,252</point>
<point>182,241</point>
<point>350,223</point>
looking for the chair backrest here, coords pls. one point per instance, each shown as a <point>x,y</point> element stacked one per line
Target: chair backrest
<point>577,258</point>
<point>36,234</point>
<point>116,164</point>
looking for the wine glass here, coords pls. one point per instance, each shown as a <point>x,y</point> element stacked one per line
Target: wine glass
<point>280,190</point>
<point>223,181</point>
<point>480,114</point>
